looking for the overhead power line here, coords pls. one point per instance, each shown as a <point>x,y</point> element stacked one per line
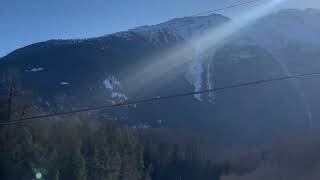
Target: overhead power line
<point>228,7</point>
<point>155,99</point>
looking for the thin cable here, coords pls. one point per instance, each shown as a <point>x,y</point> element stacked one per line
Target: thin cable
<point>151,100</point>
<point>228,7</point>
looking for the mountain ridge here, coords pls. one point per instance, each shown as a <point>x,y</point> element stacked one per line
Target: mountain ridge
<point>306,11</point>
<point>61,72</point>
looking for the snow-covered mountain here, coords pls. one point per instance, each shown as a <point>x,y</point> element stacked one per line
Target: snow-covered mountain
<point>181,28</point>
<point>283,43</point>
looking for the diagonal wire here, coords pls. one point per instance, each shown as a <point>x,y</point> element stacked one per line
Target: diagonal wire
<point>228,7</point>
<point>156,99</point>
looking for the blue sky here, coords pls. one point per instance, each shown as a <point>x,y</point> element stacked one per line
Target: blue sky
<point>24,22</point>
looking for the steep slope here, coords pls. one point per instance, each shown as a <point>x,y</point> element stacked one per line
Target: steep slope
<point>93,70</point>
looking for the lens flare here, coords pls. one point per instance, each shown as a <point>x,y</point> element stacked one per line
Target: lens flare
<point>171,61</point>
<point>38,175</point>
<point>217,36</point>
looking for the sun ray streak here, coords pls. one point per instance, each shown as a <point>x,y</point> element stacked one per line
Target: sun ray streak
<point>172,60</point>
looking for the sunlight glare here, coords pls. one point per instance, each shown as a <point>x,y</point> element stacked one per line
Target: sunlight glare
<point>171,61</point>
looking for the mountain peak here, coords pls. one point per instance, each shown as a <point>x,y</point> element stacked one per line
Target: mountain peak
<point>185,27</point>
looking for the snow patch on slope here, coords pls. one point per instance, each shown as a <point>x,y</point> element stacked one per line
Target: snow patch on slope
<point>194,74</point>
<point>35,69</point>
<point>210,84</point>
<point>119,95</point>
<point>199,74</point>
<point>64,83</point>
<point>112,84</point>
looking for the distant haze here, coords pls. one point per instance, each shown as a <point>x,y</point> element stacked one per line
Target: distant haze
<point>27,22</point>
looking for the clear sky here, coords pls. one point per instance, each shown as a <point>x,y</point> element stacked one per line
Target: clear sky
<point>23,22</point>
